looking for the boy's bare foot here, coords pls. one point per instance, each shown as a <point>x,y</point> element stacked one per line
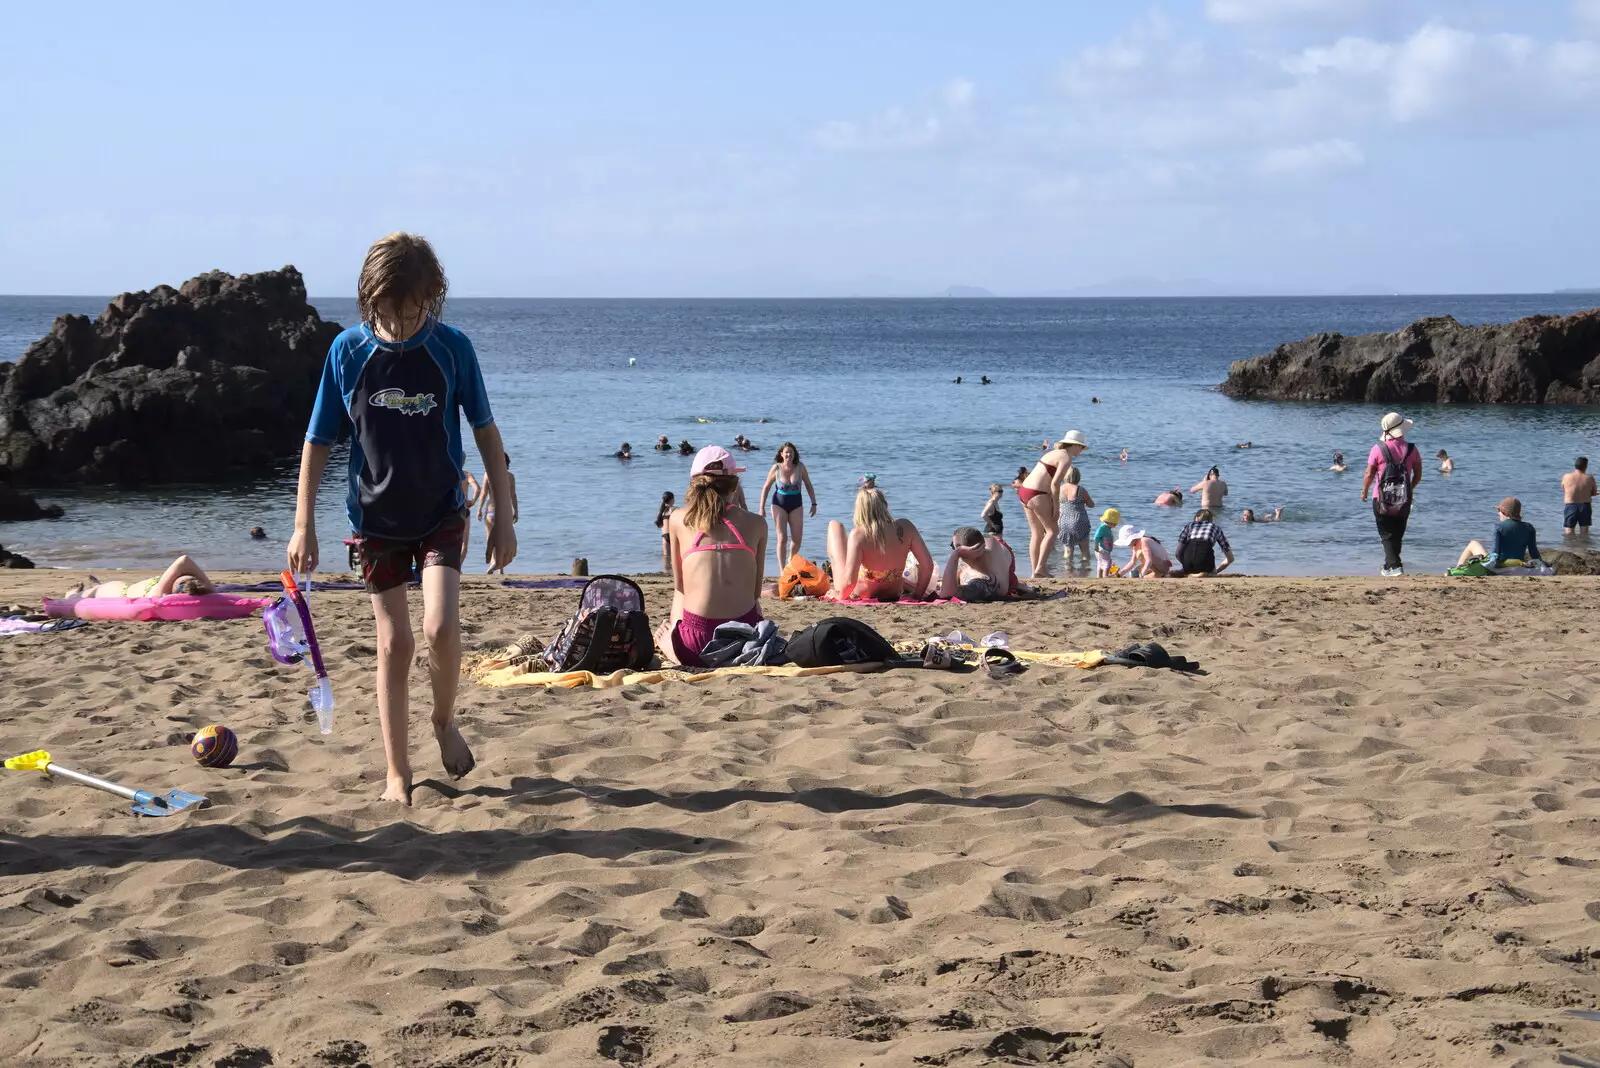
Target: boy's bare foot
<point>453,750</point>
<point>398,789</point>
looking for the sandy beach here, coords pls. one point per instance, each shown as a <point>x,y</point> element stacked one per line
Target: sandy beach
<point>1370,835</point>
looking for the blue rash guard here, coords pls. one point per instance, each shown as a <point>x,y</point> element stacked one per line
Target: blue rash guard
<point>404,401</point>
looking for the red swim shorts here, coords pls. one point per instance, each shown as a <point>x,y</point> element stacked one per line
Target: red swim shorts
<point>386,563</point>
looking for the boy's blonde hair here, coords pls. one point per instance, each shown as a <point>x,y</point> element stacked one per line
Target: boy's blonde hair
<point>400,275</point>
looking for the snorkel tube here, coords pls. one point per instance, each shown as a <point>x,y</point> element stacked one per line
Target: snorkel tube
<point>291,636</point>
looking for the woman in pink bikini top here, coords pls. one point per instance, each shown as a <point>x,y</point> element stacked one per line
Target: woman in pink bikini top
<point>719,552</point>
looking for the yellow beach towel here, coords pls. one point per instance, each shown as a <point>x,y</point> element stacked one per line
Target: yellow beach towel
<point>575,680</point>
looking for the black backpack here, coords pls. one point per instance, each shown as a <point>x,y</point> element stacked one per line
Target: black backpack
<point>1394,482</point>
<point>839,640</point>
<point>610,632</point>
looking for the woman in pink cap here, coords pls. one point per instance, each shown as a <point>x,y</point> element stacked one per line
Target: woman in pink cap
<point>718,550</point>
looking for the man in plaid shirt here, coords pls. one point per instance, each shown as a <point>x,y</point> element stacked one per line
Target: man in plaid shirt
<point>1198,543</point>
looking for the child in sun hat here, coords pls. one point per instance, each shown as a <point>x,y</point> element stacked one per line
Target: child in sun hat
<point>1105,537</point>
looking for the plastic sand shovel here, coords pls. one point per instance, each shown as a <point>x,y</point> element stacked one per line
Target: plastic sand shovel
<point>145,803</point>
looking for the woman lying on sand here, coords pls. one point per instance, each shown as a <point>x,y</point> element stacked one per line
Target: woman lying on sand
<point>717,554</point>
<point>184,576</point>
<point>869,560</point>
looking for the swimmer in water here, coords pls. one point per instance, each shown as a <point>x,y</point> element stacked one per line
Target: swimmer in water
<point>984,381</point>
<point>1249,516</point>
<point>1124,456</point>
<point>1173,498</point>
<point>684,448</point>
<point>258,533</point>
<point>624,453</point>
<point>662,444</point>
<point>1446,465</point>
<point>1338,462</point>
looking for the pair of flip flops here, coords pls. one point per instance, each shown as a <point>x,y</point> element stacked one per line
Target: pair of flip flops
<point>1001,662</point>
<point>1151,655</point>
<point>945,656</point>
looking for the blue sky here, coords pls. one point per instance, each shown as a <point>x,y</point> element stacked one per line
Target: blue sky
<point>701,149</point>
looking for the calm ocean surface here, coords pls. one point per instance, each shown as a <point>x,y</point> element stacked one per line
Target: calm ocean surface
<point>865,386</point>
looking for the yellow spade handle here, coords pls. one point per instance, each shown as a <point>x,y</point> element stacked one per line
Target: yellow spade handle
<point>38,761</point>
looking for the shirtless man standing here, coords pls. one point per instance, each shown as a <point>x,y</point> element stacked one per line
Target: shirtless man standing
<point>1577,490</point>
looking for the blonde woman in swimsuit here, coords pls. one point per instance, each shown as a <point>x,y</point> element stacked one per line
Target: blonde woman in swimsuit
<point>1040,497</point>
<point>184,576</point>
<point>869,560</point>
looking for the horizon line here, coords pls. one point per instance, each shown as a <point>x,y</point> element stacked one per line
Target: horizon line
<point>1569,292</point>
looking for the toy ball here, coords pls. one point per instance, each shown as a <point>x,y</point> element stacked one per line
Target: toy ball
<point>214,746</point>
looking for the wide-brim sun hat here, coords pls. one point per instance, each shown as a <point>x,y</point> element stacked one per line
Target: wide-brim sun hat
<point>1126,535</point>
<point>1396,425</point>
<point>1074,437</point>
<point>714,454</point>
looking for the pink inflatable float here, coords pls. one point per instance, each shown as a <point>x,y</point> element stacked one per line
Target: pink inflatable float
<point>173,606</point>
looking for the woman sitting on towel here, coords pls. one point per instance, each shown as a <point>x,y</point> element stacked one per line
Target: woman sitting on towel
<point>1516,543</point>
<point>184,576</point>
<point>869,560</point>
<point>717,551</point>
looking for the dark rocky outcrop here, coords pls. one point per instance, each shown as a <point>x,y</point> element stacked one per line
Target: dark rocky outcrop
<point>1543,359</point>
<point>1565,562</point>
<point>213,379</point>
<point>16,506</point>
<point>14,560</point>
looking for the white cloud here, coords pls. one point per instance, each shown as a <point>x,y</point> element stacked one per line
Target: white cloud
<point>1165,111</point>
<point>1586,11</point>
<point>1440,72</point>
<point>1279,10</point>
<point>1318,157</point>
<point>960,93</point>
<point>941,115</point>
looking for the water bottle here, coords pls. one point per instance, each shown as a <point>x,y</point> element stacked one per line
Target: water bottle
<point>322,700</point>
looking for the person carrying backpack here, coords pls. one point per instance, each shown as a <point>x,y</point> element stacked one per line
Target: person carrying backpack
<point>1394,467</point>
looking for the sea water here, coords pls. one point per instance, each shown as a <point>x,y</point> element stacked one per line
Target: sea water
<point>866,386</point>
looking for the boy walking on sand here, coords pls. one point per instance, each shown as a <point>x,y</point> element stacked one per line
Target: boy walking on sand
<point>403,379</point>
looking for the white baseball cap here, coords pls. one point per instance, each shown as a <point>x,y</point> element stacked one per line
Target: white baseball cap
<point>714,456</point>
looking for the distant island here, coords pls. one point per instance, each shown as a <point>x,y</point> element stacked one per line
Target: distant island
<point>1581,291</point>
<point>966,291</point>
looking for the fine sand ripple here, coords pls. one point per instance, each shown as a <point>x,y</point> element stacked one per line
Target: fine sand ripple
<point>1371,835</point>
